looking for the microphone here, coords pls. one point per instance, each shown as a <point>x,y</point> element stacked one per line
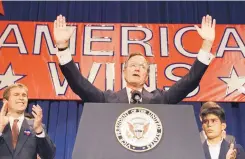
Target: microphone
<point>136,97</point>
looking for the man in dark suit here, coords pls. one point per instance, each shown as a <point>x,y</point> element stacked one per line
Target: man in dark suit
<point>215,147</point>
<point>135,71</point>
<point>227,137</point>
<point>22,138</point>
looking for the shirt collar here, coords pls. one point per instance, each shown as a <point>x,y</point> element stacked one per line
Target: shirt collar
<point>129,90</point>
<point>20,118</point>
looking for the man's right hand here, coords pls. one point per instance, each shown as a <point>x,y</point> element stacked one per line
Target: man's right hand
<point>4,120</point>
<point>231,154</point>
<point>62,33</point>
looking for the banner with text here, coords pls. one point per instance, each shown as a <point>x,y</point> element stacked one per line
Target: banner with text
<point>27,55</point>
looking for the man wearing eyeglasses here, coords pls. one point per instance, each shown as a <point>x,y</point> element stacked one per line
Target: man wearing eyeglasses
<point>215,147</point>
<point>136,70</point>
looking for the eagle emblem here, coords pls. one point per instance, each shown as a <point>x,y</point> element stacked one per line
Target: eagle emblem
<point>138,129</point>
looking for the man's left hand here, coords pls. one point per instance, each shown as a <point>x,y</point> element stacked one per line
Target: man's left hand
<point>38,116</point>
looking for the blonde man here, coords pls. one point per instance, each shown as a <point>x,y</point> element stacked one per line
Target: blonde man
<point>21,138</point>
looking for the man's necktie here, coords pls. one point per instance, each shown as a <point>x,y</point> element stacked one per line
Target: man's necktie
<point>15,133</point>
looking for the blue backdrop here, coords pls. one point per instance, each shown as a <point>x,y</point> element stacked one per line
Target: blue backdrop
<point>62,117</point>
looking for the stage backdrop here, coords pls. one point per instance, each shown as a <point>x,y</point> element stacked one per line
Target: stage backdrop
<point>100,49</point>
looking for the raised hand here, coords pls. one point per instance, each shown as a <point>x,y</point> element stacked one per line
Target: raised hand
<point>38,116</point>
<point>62,33</point>
<point>4,120</point>
<point>231,154</point>
<point>207,30</point>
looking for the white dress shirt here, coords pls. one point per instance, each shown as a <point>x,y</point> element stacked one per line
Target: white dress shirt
<point>19,123</point>
<point>214,149</point>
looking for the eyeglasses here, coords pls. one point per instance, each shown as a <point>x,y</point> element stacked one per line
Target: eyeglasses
<point>141,66</point>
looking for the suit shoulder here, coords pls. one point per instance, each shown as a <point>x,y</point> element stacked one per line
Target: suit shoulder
<point>29,119</point>
<point>240,151</point>
<point>157,90</point>
<point>230,138</point>
<point>109,91</point>
<point>238,146</point>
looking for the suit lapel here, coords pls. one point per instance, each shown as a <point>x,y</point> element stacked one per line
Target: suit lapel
<point>146,96</point>
<point>22,136</point>
<point>7,135</point>
<point>122,96</point>
<point>206,150</point>
<point>223,149</point>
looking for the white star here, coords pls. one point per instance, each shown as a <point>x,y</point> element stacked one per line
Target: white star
<point>9,77</point>
<point>234,82</point>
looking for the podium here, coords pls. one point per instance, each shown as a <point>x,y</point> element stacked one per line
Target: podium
<point>99,137</point>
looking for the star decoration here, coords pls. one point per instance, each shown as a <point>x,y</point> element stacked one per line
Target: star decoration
<point>9,77</point>
<point>1,8</point>
<point>234,82</point>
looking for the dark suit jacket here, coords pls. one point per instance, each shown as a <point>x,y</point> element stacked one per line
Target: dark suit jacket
<point>228,138</point>
<point>28,146</point>
<point>89,93</point>
<point>224,149</point>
